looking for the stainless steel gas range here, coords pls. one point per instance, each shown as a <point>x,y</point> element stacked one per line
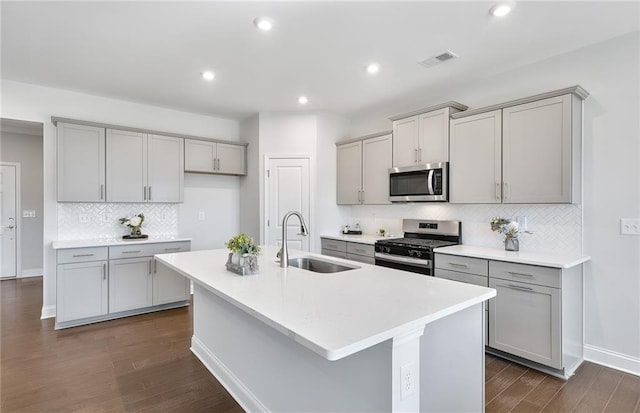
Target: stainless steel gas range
<point>414,252</point>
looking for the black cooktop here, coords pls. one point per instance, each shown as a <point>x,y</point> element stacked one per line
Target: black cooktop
<point>416,242</point>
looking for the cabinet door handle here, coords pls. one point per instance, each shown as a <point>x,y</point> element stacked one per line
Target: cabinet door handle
<point>218,163</point>
<point>415,155</point>
<point>144,193</point>
<point>518,287</point>
<point>419,154</point>
<point>362,198</point>
<point>82,255</point>
<point>521,274</point>
<point>505,191</point>
<point>455,264</point>
<point>104,271</point>
<point>149,193</point>
<point>150,259</point>
<point>101,191</point>
<point>155,266</point>
<point>497,191</point>
<point>131,252</point>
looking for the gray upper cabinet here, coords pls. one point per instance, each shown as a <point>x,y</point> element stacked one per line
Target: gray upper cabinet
<point>527,151</point>
<point>423,137</point>
<point>144,167</point>
<point>363,170</point>
<point>214,157</point>
<point>538,140</point>
<point>165,168</point>
<point>81,163</point>
<point>475,171</point>
<point>126,166</point>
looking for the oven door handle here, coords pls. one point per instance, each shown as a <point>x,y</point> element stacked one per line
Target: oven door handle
<point>430,182</point>
<point>405,260</point>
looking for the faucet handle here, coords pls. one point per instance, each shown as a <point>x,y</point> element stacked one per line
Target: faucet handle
<point>279,254</point>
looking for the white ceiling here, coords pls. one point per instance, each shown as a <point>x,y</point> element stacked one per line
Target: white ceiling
<point>153,52</point>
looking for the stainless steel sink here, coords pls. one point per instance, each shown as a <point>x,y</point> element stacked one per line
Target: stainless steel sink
<point>317,265</point>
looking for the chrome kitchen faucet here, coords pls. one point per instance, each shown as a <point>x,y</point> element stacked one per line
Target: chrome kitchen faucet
<point>283,254</point>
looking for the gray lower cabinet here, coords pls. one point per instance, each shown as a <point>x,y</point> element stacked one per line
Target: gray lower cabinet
<point>101,283</point>
<point>536,315</point>
<point>467,270</point>
<point>355,251</point>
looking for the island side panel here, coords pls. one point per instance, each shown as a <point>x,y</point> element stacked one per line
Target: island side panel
<point>265,370</point>
<point>452,363</point>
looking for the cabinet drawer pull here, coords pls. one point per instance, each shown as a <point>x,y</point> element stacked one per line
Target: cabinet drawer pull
<point>131,252</point>
<point>360,250</point>
<point>455,264</point>
<point>172,249</point>
<point>82,255</point>
<point>522,274</point>
<point>517,287</point>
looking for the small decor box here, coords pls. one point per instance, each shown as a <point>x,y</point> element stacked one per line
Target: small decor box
<point>243,258</point>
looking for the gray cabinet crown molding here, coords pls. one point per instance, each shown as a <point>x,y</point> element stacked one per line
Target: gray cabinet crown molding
<point>577,90</point>
<point>56,119</point>
<point>450,104</point>
<point>361,138</point>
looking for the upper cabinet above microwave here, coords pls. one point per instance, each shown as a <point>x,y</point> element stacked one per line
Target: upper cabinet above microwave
<point>423,136</point>
<point>523,151</point>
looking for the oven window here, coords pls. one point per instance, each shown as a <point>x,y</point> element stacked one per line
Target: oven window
<point>415,183</point>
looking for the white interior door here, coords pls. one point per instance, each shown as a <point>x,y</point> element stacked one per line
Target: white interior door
<point>8,231</point>
<point>288,182</point>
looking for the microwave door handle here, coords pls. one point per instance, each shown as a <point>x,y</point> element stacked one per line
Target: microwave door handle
<point>430,182</point>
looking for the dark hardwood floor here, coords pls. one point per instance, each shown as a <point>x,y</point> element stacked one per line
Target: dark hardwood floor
<point>143,364</point>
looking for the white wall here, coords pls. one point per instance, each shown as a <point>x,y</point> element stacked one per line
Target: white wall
<point>217,197</point>
<point>610,71</point>
<point>250,222</point>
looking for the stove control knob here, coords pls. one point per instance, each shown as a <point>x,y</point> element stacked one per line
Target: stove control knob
<point>387,250</point>
<point>415,253</point>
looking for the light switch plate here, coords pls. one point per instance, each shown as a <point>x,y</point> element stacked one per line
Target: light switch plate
<point>630,226</point>
<point>28,213</point>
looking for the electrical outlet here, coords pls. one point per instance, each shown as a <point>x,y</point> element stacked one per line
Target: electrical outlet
<point>630,226</point>
<point>201,216</point>
<point>522,222</point>
<point>83,218</point>
<point>408,378</point>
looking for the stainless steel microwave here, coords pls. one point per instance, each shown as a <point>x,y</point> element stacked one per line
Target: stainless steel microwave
<point>419,183</point>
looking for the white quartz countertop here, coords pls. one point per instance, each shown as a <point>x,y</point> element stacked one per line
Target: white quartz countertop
<point>362,239</point>
<point>334,315</point>
<point>109,242</point>
<point>521,257</point>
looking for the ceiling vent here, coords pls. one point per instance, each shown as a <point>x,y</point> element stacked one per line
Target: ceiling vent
<point>436,60</point>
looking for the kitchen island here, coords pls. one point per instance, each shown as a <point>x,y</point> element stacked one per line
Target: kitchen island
<point>366,339</point>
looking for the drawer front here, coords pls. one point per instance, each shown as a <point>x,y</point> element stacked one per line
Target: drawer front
<point>360,249</point>
<point>147,250</point>
<point>467,265</point>
<point>530,274</point>
<point>82,254</point>
<point>332,253</point>
<point>361,258</point>
<point>462,277</point>
<point>335,245</point>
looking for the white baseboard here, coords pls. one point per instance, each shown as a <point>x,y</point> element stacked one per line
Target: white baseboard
<point>48,312</point>
<point>612,359</point>
<point>229,381</point>
<point>32,272</point>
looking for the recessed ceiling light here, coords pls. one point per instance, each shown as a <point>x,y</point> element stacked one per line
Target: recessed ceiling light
<point>500,10</point>
<point>373,68</point>
<point>303,100</point>
<point>208,75</point>
<point>263,23</point>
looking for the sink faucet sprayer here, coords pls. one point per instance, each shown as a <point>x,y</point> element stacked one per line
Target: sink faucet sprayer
<point>283,254</point>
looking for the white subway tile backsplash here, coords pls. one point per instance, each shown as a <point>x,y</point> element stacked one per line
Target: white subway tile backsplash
<point>104,220</point>
<point>556,228</point>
